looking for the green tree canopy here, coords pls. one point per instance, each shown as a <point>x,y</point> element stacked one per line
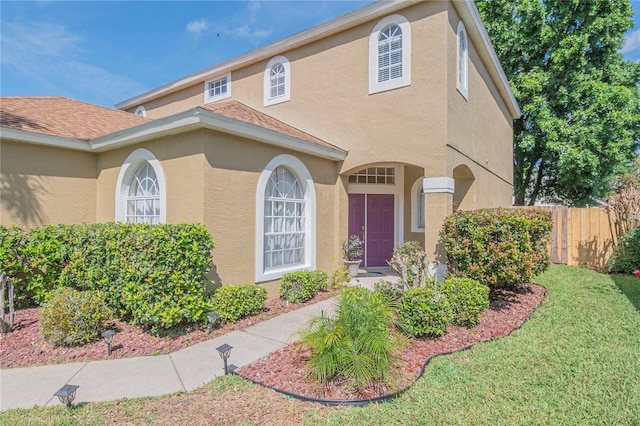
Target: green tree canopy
<point>579,98</point>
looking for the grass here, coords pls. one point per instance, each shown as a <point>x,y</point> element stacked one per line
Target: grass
<point>575,362</point>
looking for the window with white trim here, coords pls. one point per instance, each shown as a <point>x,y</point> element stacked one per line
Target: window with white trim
<point>277,81</point>
<point>143,199</point>
<point>285,219</point>
<point>374,175</point>
<point>462,61</point>
<point>390,54</point>
<point>216,89</point>
<point>417,206</point>
<point>141,111</point>
<point>140,190</point>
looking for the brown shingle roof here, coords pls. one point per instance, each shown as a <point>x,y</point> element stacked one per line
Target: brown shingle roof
<point>60,116</point>
<point>239,111</point>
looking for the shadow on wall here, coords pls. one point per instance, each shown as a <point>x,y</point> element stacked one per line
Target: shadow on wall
<point>20,196</point>
<point>594,254</point>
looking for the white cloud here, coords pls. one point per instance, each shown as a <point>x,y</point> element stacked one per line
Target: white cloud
<point>632,43</point>
<point>53,56</point>
<point>245,31</point>
<point>198,26</point>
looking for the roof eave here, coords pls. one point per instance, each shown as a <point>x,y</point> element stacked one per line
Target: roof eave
<point>44,139</point>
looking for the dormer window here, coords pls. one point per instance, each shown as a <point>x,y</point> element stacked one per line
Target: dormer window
<point>390,54</point>
<point>216,89</point>
<point>277,81</point>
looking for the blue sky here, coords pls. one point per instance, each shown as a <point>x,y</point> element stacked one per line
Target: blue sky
<point>104,52</point>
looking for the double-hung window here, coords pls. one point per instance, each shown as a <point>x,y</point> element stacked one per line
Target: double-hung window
<point>218,88</point>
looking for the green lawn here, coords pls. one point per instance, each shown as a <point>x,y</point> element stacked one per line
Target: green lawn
<point>576,361</point>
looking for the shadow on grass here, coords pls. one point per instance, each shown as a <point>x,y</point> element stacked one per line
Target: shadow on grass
<point>630,287</point>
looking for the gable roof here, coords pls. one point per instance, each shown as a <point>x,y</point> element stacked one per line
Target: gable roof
<point>239,111</point>
<point>66,123</point>
<point>63,117</point>
<point>466,8</point>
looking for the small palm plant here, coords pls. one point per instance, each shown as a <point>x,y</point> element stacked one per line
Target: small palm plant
<point>356,343</point>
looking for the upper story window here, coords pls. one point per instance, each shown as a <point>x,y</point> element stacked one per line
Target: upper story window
<point>277,81</point>
<point>218,88</point>
<point>462,61</point>
<point>140,190</point>
<point>141,111</point>
<point>390,54</point>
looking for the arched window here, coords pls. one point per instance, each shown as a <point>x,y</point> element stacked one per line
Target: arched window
<point>463,61</point>
<point>390,54</point>
<point>143,199</point>
<point>417,206</point>
<point>141,111</point>
<point>285,234</point>
<point>277,81</point>
<point>140,190</point>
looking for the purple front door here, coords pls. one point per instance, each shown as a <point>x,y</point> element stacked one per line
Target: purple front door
<point>374,214</point>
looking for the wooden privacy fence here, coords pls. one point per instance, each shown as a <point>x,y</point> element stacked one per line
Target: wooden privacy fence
<point>582,237</point>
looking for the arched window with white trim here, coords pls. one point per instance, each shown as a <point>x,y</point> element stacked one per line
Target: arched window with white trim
<point>277,81</point>
<point>417,206</point>
<point>140,190</point>
<point>390,54</point>
<point>285,219</point>
<point>462,61</point>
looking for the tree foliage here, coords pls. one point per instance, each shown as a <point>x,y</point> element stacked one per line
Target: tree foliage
<point>579,98</point>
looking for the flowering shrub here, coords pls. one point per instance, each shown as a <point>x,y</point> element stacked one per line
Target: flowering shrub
<point>352,248</point>
<point>410,262</point>
<point>499,247</point>
<point>637,273</point>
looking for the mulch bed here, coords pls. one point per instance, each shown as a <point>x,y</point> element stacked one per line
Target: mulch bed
<point>284,369</point>
<point>24,346</point>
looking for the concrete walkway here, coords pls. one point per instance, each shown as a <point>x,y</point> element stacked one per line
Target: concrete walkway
<point>184,370</point>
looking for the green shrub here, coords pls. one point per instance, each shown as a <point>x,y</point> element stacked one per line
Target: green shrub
<point>467,299</point>
<point>500,247</point>
<point>72,317</point>
<point>339,277</point>
<point>355,344</point>
<point>626,256</point>
<point>388,291</point>
<point>233,302</point>
<point>424,311</point>
<point>300,286</point>
<point>152,275</point>
<point>12,261</point>
<point>409,260</point>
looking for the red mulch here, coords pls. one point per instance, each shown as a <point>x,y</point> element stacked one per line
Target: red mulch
<point>24,346</point>
<point>284,369</point>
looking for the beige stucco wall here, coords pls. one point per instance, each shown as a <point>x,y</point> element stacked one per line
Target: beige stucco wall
<point>40,184</point>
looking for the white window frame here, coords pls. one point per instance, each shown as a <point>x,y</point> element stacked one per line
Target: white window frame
<point>141,111</point>
<point>462,62</point>
<point>405,80</point>
<point>268,99</point>
<point>125,177</point>
<point>208,98</point>
<point>306,181</point>
<point>415,203</point>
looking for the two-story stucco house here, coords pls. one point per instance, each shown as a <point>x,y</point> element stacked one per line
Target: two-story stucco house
<point>379,123</point>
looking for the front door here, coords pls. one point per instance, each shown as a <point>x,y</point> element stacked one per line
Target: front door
<point>371,217</point>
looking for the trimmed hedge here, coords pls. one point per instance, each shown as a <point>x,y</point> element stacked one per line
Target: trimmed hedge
<point>152,275</point>
<point>300,286</point>
<point>467,298</point>
<point>424,311</point>
<point>72,317</point>
<point>499,247</point>
<point>233,302</point>
<point>626,256</point>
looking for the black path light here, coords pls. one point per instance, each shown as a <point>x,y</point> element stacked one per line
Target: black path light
<point>67,394</point>
<point>108,338</point>
<point>212,317</point>
<point>224,351</point>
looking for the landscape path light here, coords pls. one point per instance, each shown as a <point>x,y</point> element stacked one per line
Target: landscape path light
<point>108,338</point>
<point>67,394</point>
<point>212,317</point>
<point>224,351</point>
